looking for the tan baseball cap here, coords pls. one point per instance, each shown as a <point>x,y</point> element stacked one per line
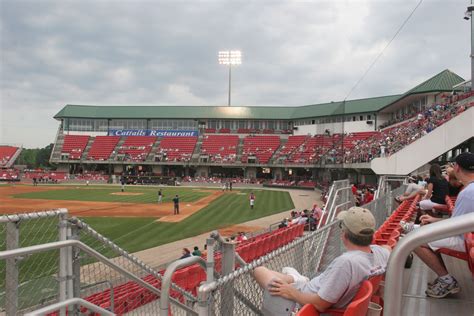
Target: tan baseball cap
<point>358,221</point>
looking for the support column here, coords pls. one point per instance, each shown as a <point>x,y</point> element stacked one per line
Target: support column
<point>228,264</point>
<point>11,276</point>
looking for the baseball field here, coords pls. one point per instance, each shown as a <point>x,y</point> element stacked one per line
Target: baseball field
<point>135,220</point>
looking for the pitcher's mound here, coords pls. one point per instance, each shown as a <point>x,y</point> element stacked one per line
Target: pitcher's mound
<point>126,193</point>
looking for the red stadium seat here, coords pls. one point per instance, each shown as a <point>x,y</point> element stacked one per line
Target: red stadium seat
<point>358,306</point>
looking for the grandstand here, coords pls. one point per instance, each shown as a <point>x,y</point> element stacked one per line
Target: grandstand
<point>8,155</point>
<point>364,137</point>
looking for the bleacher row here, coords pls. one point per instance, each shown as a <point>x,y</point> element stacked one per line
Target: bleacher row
<point>388,234</point>
<point>46,175</point>
<point>130,295</point>
<point>220,148</point>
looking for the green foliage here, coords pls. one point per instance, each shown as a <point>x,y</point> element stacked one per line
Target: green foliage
<point>35,157</point>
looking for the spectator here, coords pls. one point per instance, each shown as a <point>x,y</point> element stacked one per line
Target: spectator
<point>284,223</point>
<point>339,283</point>
<point>185,254</point>
<point>438,188</point>
<point>445,283</point>
<point>196,251</point>
<point>414,188</point>
<point>241,237</point>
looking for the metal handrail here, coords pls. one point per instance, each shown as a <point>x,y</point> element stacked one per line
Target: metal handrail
<point>330,210</point>
<point>72,301</point>
<point>93,253</point>
<point>132,258</point>
<point>435,231</point>
<point>32,215</point>
<point>75,243</point>
<point>165,285</point>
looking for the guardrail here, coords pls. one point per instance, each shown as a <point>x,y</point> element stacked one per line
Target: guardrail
<point>435,231</point>
<point>73,301</point>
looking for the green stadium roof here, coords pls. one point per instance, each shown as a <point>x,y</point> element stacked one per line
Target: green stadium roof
<point>444,81</point>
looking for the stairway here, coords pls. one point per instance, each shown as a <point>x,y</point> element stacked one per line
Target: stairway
<point>151,154</point>
<point>88,147</point>
<point>113,155</point>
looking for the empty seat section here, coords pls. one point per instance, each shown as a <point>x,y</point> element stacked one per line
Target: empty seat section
<point>177,148</point>
<point>74,145</point>
<point>261,147</point>
<point>102,147</point>
<point>6,153</point>
<point>220,148</point>
<point>137,148</point>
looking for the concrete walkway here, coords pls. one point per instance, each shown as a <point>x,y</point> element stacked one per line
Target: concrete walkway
<point>158,256</point>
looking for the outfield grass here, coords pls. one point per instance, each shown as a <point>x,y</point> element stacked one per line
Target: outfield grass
<point>134,234</point>
<point>105,194</point>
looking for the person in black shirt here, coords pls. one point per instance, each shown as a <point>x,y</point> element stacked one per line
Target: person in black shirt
<point>176,205</point>
<point>438,188</point>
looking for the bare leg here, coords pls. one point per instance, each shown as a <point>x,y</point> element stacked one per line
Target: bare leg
<point>432,260</point>
<point>263,276</point>
<point>411,195</point>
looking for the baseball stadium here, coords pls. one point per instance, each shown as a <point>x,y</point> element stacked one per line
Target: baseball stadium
<point>238,210</point>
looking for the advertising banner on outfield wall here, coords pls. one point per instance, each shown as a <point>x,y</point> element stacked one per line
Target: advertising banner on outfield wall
<point>151,132</point>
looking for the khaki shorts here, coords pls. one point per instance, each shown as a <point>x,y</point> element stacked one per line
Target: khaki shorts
<point>453,243</point>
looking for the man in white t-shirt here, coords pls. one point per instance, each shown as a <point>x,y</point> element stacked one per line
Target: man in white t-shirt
<point>339,283</point>
<point>445,283</point>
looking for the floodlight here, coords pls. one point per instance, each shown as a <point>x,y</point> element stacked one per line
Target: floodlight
<point>230,58</point>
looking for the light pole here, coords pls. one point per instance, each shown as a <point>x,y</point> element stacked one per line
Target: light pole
<point>468,16</point>
<point>230,57</point>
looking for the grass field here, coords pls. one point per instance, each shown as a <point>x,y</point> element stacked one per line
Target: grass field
<point>132,234</point>
<point>105,194</point>
<point>135,234</point>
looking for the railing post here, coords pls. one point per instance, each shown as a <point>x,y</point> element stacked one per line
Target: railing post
<point>394,276</point>
<point>11,277</point>
<point>63,262</point>
<point>76,265</point>
<point>210,260</point>
<point>228,264</point>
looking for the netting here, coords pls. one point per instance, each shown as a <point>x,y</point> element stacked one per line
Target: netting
<point>239,294</point>
<point>31,280</point>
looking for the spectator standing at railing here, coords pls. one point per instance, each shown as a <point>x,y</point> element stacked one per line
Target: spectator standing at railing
<point>339,283</point>
<point>445,283</point>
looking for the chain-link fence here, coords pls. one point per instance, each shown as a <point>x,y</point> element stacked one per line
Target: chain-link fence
<point>237,293</point>
<point>41,278</point>
<point>107,288</point>
<point>31,280</point>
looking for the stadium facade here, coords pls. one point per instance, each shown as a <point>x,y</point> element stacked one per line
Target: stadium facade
<point>256,139</point>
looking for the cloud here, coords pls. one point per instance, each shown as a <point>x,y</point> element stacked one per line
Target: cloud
<point>165,52</point>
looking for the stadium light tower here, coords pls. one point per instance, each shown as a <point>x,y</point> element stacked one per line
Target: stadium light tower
<point>468,16</point>
<point>231,58</point>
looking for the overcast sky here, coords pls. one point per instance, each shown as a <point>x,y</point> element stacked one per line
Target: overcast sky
<point>165,53</point>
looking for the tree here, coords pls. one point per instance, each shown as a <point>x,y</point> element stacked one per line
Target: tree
<point>35,157</point>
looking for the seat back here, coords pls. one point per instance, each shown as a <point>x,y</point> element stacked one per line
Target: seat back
<point>358,306</point>
<point>308,310</point>
<point>360,302</point>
